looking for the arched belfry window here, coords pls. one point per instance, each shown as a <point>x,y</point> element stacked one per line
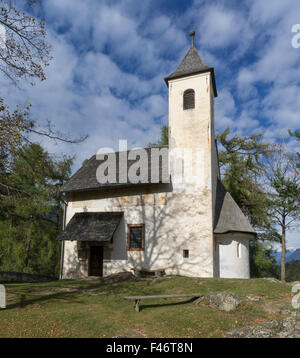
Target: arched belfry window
<point>189,99</point>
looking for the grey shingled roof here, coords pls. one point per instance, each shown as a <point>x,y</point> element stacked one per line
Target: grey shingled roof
<point>190,65</point>
<point>85,178</point>
<point>228,216</point>
<point>98,226</point>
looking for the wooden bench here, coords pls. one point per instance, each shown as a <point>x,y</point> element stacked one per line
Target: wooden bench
<point>137,299</point>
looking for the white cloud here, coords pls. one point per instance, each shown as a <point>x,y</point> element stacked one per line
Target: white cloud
<point>87,91</point>
<point>225,110</point>
<point>110,58</point>
<point>264,13</point>
<point>217,27</point>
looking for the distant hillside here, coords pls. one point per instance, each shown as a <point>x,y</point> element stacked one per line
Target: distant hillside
<point>290,256</point>
<point>294,256</point>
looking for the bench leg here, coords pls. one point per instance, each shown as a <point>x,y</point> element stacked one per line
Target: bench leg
<point>198,300</point>
<point>137,306</point>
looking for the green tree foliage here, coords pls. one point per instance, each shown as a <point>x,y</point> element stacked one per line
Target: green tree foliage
<point>296,134</point>
<point>242,162</point>
<point>24,54</point>
<point>13,126</point>
<point>242,168</point>
<point>31,211</point>
<point>262,264</point>
<point>283,195</point>
<point>30,202</point>
<point>293,271</point>
<point>164,137</point>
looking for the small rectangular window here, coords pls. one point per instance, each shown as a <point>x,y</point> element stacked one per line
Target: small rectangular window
<point>82,255</point>
<point>186,254</point>
<point>135,237</point>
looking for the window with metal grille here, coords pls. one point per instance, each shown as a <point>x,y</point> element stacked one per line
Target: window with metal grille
<point>136,237</point>
<point>189,99</point>
<point>186,254</point>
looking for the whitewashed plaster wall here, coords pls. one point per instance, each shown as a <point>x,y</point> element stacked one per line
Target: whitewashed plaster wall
<point>168,231</point>
<point>232,255</point>
<point>192,130</point>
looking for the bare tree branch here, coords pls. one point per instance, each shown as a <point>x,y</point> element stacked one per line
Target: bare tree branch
<point>25,52</point>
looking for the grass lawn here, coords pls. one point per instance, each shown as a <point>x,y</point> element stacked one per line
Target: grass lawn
<point>97,309</point>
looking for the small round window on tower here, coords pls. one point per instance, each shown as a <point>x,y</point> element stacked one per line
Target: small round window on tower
<point>189,99</point>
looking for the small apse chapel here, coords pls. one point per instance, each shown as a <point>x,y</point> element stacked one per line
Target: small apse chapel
<point>191,228</point>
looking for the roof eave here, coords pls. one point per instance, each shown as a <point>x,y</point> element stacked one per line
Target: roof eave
<point>113,186</point>
<point>210,69</point>
<point>235,231</point>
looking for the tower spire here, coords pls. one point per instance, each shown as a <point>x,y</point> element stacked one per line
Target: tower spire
<point>192,64</point>
<point>192,34</point>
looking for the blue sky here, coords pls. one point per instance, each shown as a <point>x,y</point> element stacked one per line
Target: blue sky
<point>110,58</point>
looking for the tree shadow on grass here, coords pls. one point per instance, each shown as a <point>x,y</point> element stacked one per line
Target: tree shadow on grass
<point>143,307</point>
<point>104,286</point>
<point>23,302</point>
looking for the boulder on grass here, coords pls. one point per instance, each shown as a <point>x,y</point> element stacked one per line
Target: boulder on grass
<point>225,301</point>
<point>285,328</point>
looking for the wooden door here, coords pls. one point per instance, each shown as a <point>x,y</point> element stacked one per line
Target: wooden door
<point>96,261</point>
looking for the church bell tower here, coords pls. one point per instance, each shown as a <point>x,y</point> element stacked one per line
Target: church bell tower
<point>192,90</point>
<point>193,156</point>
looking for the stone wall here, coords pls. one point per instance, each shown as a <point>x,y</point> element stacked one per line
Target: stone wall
<point>8,276</point>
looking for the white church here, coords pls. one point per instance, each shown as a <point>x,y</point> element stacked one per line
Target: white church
<point>175,216</point>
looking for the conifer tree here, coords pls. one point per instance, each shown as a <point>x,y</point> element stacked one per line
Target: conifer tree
<point>32,212</point>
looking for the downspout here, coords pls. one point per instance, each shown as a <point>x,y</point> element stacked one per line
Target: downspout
<point>63,242</point>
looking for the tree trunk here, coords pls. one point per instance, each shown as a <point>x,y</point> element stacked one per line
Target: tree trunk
<point>283,250</point>
<point>27,251</point>
<point>26,256</point>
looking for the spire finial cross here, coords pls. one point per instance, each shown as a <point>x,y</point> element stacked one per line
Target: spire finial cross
<point>192,34</point>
